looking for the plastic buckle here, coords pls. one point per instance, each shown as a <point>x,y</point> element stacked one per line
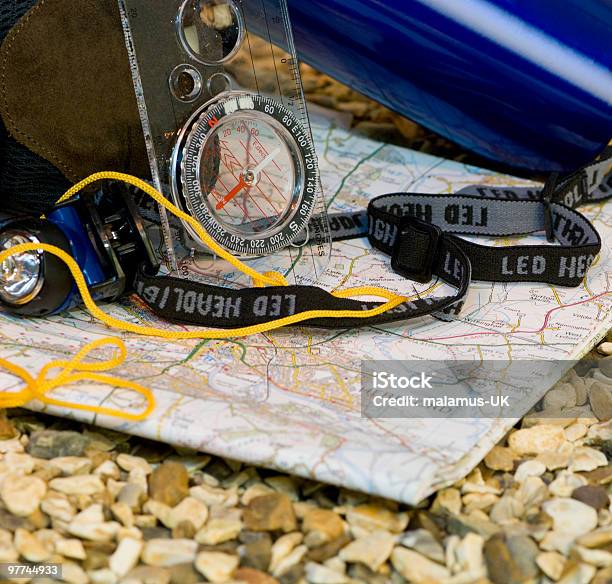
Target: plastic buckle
<point>546,198</point>
<point>415,234</point>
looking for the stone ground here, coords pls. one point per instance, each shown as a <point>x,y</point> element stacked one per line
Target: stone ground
<point>113,508</point>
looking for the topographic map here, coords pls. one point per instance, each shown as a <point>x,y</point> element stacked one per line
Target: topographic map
<point>289,399</point>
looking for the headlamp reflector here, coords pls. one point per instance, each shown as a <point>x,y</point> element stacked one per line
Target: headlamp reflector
<point>21,275</point>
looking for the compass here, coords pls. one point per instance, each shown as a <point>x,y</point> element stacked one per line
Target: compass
<point>245,168</point>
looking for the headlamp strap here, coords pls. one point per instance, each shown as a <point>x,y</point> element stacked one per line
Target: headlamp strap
<point>420,232</point>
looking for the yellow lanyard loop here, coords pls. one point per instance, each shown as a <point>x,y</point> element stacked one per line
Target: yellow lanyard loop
<point>72,371</point>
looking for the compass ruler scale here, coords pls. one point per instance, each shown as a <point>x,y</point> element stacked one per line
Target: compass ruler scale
<point>229,139</point>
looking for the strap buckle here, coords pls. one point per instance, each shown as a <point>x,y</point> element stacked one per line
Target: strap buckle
<point>415,248</point>
<point>546,198</point>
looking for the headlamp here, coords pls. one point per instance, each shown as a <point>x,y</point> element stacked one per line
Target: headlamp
<point>102,231</point>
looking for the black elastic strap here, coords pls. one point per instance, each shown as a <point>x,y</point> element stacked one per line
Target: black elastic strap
<point>420,234</point>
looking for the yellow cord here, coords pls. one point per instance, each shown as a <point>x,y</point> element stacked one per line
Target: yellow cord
<point>83,371</point>
<point>37,388</point>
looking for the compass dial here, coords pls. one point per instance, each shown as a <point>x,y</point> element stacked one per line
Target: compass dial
<point>248,174</point>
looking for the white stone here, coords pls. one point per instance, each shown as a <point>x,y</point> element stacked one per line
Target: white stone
<point>283,546</point>
<point>22,494</point>
<point>532,492</point>
<point>294,558</point>
<point>423,542</point>
<point>123,513</point>
<point>605,348</point>
<point>108,469</point>
<point>576,431</point>
<point>554,460</point>
<point>373,550</point>
<point>78,485</point>
<point>529,468</point>
<point>536,439</point>
<point>506,510</point>
<point>256,490</point>
<point>94,531</point>
<point>102,576</point>
<point>29,547</point>
<point>557,541</point>
<point>189,509</point>
<point>213,496</point>
<point>469,554</point>
<point>92,514</point>
<point>71,465</point>
<point>551,563</point>
<point>216,566</point>
<point>70,548</point>
<point>58,506</point>
<point>18,463</point>
<point>417,568</point>
<point>595,557</point>
<point>126,556</point>
<point>571,516</point>
<point>578,574</point>
<point>449,499</point>
<point>8,553</point>
<point>585,459</point>
<point>72,573</point>
<point>318,574</point>
<point>129,463</point>
<point>218,530</point>
<point>159,510</point>
<point>169,552</point>
<point>565,483</point>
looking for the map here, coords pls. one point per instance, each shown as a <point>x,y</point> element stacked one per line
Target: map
<point>290,399</point>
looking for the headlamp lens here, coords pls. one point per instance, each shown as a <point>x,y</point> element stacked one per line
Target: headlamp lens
<point>21,275</point>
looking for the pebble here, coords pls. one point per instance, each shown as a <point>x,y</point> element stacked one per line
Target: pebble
<point>373,550</point>
<point>577,574</point>
<point>318,574</point>
<point>270,513</point>
<point>321,526</point>
<point>283,546</point>
<point>449,500</point>
<point>210,495</point>
<point>594,496</point>
<point>253,576</point>
<point>103,576</point>
<point>50,444</point>
<point>529,468</point>
<point>71,465</point>
<point>417,568</point>
<point>511,560</point>
<point>169,483</point>
<point>288,563</point>
<point>507,510</point>
<point>103,531</point>
<point>570,516</point>
<point>71,548</point>
<point>169,552</point>
<point>130,463</point>
<point>600,398</point>
<point>7,429</point>
<point>605,348</point>
<point>425,543</point>
<point>78,485</point>
<point>554,460</point>
<point>125,557</point>
<point>551,563</point>
<point>561,397</point>
<point>372,517</point>
<point>536,439</point>
<point>72,573</point>
<point>132,495</point>
<point>566,483</point>
<point>595,557</point>
<point>219,530</point>
<point>585,458</point>
<point>189,509</point>
<point>576,431</point>
<point>108,469</point>
<point>605,366</point>
<point>147,575</point>
<point>256,551</point>
<point>22,494</point>
<point>500,458</point>
<point>30,548</point>
<point>216,566</point>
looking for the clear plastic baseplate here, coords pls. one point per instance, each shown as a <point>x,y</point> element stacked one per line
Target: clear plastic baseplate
<point>228,137</point>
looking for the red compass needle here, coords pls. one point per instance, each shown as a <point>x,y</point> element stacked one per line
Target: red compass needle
<point>225,200</point>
